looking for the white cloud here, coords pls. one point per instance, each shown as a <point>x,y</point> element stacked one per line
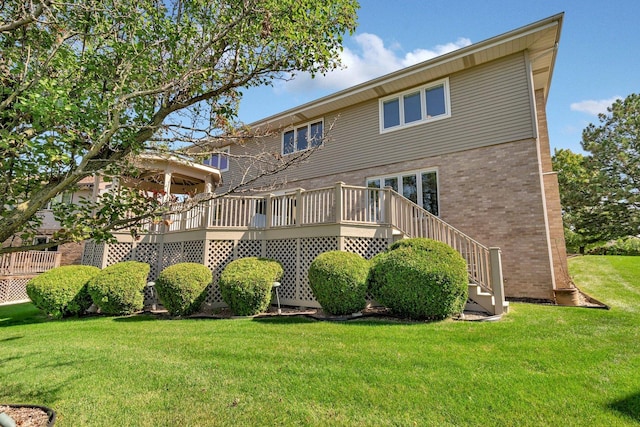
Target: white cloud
<point>370,59</point>
<point>594,107</point>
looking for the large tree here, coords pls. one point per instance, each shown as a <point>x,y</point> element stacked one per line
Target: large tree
<point>600,191</point>
<point>84,85</point>
<point>614,148</point>
<point>581,207</point>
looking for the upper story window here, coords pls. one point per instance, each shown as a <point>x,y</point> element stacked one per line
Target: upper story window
<point>219,160</point>
<point>302,137</point>
<point>427,103</point>
<point>60,199</point>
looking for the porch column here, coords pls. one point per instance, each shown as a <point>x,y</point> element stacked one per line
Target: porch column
<point>208,184</point>
<point>167,187</point>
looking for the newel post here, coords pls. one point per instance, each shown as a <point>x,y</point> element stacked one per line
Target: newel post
<point>57,260</point>
<point>388,209</point>
<point>12,262</point>
<point>338,202</point>
<point>497,282</point>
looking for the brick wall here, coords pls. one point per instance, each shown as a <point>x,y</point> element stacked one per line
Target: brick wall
<point>494,194</point>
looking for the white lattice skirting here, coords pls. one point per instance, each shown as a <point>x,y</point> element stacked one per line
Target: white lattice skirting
<point>295,255</point>
<point>13,289</point>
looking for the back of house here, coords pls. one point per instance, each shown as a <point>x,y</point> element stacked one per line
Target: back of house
<point>463,135</point>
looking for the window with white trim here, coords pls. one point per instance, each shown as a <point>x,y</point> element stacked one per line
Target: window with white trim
<point>302,137</point>
<point>65,198</point>
<point>219,159</point>
<point>420,105</point>
<point>421,187</point>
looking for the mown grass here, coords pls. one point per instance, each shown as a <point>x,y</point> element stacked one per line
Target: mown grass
<point>540,365</point>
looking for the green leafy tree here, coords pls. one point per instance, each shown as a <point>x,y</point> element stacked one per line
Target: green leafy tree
<point>84,85</point>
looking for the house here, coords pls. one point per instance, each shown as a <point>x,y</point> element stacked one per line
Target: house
<point>463,137</point>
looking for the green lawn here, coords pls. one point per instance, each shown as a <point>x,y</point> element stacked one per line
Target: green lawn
<point>540,365</point>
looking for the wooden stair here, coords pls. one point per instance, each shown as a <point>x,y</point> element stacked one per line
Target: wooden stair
<point>480,300</point>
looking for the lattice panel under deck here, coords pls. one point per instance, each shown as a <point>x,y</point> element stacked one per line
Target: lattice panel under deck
<point>285,252</point>
<point>98,252</point>
<point>14,288</point>
<point>309,250</point>
<point>249,248</point>
<point>148,252</point>
<point>364,246</point>
<point>87,253</point>
<point>193,251</point>
<point>171,254</point>
<point>119,252</point>
<point>219,254</point>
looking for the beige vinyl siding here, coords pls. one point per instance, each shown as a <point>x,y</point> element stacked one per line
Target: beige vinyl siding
<point>490,104</point>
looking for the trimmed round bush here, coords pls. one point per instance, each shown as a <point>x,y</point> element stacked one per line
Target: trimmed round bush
<point>339,281</point>
<point>246,283</point>
<point>118,289</point>
<point>62,291</point>
<point>420,278</point>
<point>182,287</point>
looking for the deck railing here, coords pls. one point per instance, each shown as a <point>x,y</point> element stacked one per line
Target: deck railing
<point>19,263</point>
<point>340,204</point>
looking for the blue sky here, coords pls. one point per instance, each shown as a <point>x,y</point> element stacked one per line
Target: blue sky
<point>598,58</point>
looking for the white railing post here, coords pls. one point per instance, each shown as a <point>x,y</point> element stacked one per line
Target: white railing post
<point>206,214</point>
<point>268,213</point>
<point>497,282</point>
<point>339,200</point>
<point>298,208</point>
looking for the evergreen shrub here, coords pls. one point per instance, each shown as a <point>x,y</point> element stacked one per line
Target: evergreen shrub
<point>183,287</point>
<point>246,283</point>
<point>119,288</point>
<point>420,279</point>
<point>62,291</point>
<point>339,281</point>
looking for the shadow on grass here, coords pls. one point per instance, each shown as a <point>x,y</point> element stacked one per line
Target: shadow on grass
<point>136,318</point>
<point>20,314</point>
<point>283,320</point>
<point>14,393</point>
<point>16,337</point>
<point>629,406</point>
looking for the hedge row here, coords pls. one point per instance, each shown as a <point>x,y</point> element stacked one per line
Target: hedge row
<point>416,278</point>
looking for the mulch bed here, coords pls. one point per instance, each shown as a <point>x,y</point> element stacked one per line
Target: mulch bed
<point>27,416</point>
<point>369,313</point>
